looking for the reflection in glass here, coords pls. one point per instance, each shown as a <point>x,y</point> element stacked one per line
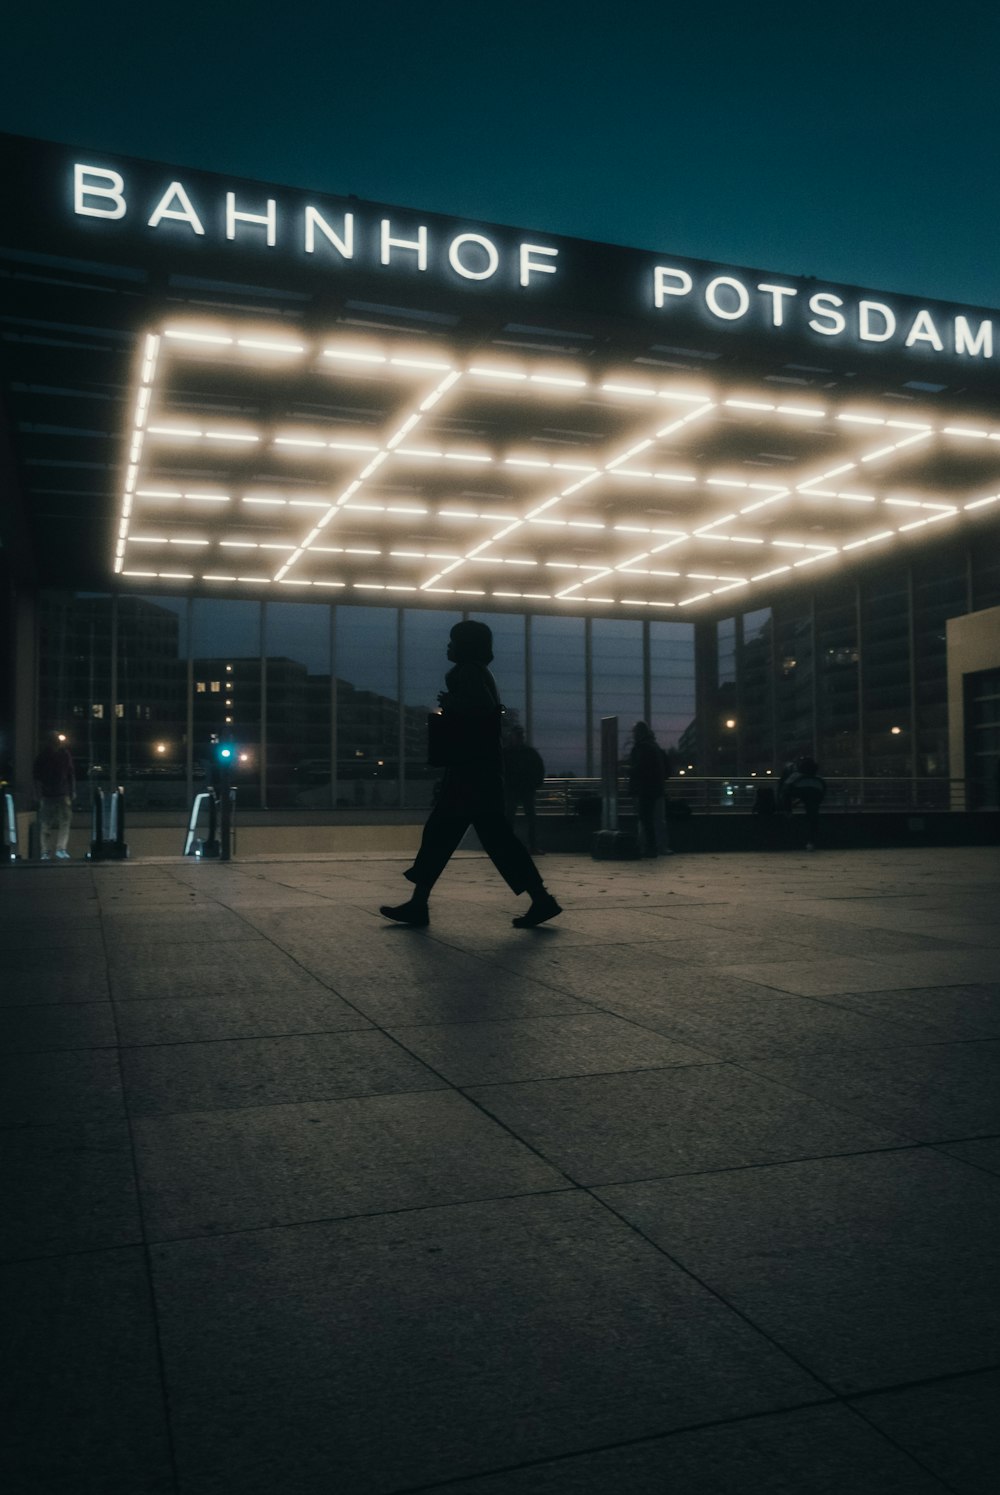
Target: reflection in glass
<point>75,695</point>
<point>671,683</point>
<point>559,694</point>
<point>226,696</point>
<point>616,654</point>
<point>152,721</point>
<point>367,708</point>
<point>297,645</point>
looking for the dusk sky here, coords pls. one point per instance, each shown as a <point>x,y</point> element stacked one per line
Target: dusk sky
<point>856,143</point>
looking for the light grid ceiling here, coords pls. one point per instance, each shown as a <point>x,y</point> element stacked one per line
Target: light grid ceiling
<point>359,463</point>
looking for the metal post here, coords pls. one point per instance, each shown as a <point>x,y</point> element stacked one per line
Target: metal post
<point>401,719</point>
<point>333,705</point>
<point>529,689</point>
<point>263,710</point>
<point>588,695</point>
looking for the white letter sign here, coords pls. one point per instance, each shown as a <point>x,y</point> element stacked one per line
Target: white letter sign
<point>114,189</point>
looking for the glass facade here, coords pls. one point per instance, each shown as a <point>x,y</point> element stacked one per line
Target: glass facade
<point>144,685</point>
<point>327,703</point>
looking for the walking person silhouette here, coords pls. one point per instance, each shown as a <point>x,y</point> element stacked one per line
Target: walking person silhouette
<point>472,790</point>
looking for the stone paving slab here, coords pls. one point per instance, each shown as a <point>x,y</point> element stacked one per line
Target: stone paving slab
<point>264,1009</point>
<point>207,1172</point>
<point>657,1123</point>
<point>83,1398</point>
<point>813,1451</point>
<point>485,1053</point>
<point>951,1426</point>
<point>268,1071</point>
<point>440,1343</point>
<point>67,1188</point>
<point>871,1271</point>
<point>660,1196</point>
<point>63,1025</point>
<point>931,1093</point>
<point>72,1085</point>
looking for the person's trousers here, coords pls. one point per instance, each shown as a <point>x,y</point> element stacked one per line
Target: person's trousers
<point>811,800</point>
<point>524,798</point>
<point>54,817</point>
<point>476,798</point>
<point>646,806</point>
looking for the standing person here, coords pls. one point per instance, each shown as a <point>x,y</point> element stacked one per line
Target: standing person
<point>472,791</point>
<point>647,783</point>
<point>805,784</point>
<point>55,787</point>
<point>523,775</point>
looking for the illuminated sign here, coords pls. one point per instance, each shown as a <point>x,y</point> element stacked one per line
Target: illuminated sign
<point>99,192</point>
<point>331,234</point>
<point>728,298</point>
<point>429,472</point>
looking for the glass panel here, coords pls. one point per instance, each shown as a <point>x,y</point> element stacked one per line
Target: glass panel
<point>616,654</point>
<point>225,649</point>
<point>425,664</point>
<point>982,739</point>
<point>986,568</point>
<point>558,684</point>
<point>756,693</point>
<point>726,647</point>
<point>837,681</point>
<point>297,645</point>
<point>671,679</point>
<point>886,674</point>
<point>74,685</point>
<point>794,680</point>
<point>152,687</point>
<point>367,707</point>
<point>939,593</point>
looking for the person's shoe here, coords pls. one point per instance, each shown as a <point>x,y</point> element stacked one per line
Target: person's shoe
<point>63,856</point>
<point>542,908</point>
<point>407,913</point>
<point>46,856</point>
<point>810,846</point>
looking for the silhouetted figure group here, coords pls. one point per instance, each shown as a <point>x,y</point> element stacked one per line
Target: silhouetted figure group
<point>55,786</point>
<point>801,782</point>
<point>648,772</point>
<point>472,792</point>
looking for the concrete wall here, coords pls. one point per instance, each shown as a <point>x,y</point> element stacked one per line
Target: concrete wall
<point>973,643</point>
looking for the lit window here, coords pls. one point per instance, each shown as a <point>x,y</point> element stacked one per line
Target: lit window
<point>119,711</point>
<point>199,687</point>
<point>214,687</point>
<point>97,711</point>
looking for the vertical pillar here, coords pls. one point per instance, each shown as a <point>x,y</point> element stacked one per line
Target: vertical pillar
<point>189,704</point>
<point>24,665</point>
<point>647,675</point>
<point>911,648</point>
<point>706,694</point>
<point>529,690</point>
<point>113,671</point>
<point>262,614</point>
<point>588,694</point>
<point>740,692</point>
<point>334,706</point>
<point>859,617</point>
<point>400,697</point>
<point>814,694</point>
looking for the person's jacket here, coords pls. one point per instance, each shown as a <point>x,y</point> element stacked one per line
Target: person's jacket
<point>647,769</point>
<point>54,773</point>
<point>471,705</point>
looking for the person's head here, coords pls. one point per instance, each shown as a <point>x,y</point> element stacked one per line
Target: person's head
<point>642,732</point>
<point>807,765</point>
<point>470,643</point>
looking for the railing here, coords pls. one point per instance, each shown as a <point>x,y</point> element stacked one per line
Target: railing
<point>107,826</point>
<point>736,794</point>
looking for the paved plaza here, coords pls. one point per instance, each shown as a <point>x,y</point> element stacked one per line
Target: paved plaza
<point>695,1190</point>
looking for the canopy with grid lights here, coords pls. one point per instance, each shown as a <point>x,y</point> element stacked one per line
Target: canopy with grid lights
<point>366,464</point>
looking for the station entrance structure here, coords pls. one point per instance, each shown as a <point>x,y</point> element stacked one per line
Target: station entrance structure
<point>234,390</point>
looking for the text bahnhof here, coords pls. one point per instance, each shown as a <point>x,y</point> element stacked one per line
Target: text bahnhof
<point>102,193</point>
